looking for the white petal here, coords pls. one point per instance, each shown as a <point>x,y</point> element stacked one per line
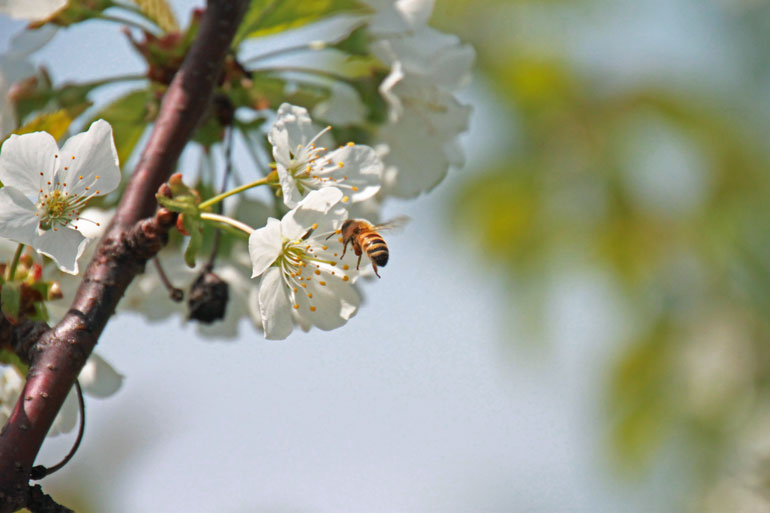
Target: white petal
<point>399,16</point>
<point>94,156</point>
<point>98,378</point>
<point>291,194</point>
<point>67,418</point>
<point>27,42</point>
<point>265,246</point>
<point>292,127</point>
<point>17,216</point>
<point>363,168</point>
<point>309,211</point>
<point>274,307</point>
<point>335,302</point>
<point>64,246</point>
<point>31,9</point>
<point>24,157</point>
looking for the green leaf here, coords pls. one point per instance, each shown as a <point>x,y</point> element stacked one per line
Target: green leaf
<point>55,123</point>
<point>128,116</point>
<point>270,16</point>
<point>193,227</point>
<point>8,357</point>
<point>10,300</point>
<point>269,91</point>
<point>159,12</point>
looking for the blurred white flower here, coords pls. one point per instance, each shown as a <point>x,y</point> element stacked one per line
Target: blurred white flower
<point>15,66</point>
<point>426,67</point>
<point>303,167</point>
<point>46,189</point>
<point>97,379</point>
<point>31,10</point>
<point>303,280</point>
<point>398,16</point>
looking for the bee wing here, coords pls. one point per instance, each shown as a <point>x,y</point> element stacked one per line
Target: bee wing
<point>394,225</point>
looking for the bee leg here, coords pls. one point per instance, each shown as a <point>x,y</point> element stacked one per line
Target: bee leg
<point>374,266</point>
<point>359,262</point>
<point>344,248</point>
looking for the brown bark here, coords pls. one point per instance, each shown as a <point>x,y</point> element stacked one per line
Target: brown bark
<point>132,238</point>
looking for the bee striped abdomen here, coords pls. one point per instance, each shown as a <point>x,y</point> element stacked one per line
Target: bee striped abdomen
<point>375,247</point>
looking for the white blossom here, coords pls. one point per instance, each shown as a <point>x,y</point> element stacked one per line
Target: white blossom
<point>97,379</point>
<point>47,188</point>
<point>426,67</point>
<point>303,280</point>
<point>15,66</point>
<point>303,166</point>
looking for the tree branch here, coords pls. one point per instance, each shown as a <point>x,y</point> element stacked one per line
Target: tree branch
<point>60,353</point>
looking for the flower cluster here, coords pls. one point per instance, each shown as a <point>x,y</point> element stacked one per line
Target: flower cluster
<point>426,119</point>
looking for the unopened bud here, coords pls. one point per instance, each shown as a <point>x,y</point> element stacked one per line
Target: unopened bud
<point>54,291</point>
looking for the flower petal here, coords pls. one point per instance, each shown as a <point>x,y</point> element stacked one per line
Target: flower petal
<point>64,246</point>
<point>362,170</point>
<point>292,127</point>
<point>310,210</point>
<point>31,9</point>
<point>274,307</point>
<point>335,302</point>
<point>265,246</point>
<point>67,417</point>
<point>98,378</point>
<point>27,162</point>
<point>17,216</point>
<point>92,156</point>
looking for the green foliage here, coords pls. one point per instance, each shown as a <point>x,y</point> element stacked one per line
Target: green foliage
<point>10,300</point>
<point>8,357</point>
<point>159,12</point>
<point>570,181</point>
<point>128,116</point>
<point>266,17</point>
<point>55,123</point>
<point>184,201</point>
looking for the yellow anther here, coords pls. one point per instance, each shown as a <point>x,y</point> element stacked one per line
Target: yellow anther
<point>323,283</point>
<point>346,267</point>
<point>341,164</point>
<point>296,306</point>
<point>345,278</point>
<point>317,271</point>
<point>312,308</point>
<point>354,188</point>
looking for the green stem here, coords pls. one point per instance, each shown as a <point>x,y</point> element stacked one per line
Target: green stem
<point>227,220</point>
<point>307,71</point>
<point>14,263</point>
<point>311,46</point>
<point>216,199</point>
<point>110,80</point>
<point>126,21</point>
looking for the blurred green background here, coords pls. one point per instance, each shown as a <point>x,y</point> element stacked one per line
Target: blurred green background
<point>631,142</point>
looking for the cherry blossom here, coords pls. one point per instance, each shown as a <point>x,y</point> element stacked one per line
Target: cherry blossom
<point>303,280</point>
<point>304,166</point>
<point>47,188</point>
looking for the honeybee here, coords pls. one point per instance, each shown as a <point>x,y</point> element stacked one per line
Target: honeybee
<point>364,238</point>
